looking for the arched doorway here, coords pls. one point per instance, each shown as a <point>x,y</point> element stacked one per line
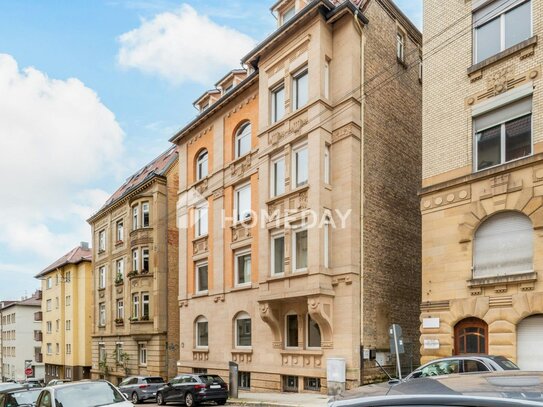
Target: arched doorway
<point>471,337</point>
<point>529,349</point>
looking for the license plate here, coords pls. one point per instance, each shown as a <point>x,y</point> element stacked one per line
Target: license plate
<point>215,386</point>
<point>154,394</point>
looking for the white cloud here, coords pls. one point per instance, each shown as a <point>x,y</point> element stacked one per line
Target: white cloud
<point>56,139</point>
<point>183,46</point>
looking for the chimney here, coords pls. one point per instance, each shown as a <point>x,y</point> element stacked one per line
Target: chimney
<point>85,245</point>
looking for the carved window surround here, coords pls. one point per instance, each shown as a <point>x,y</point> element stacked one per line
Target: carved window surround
<point>500,284</point>
<point>296,199</point>
<point>242,355</point>
<point>200,354</point>
<point>526,48</point>
<point>200,245</point>
<point>241,233</point>
<point>141,236</point>
<point>302,358</point>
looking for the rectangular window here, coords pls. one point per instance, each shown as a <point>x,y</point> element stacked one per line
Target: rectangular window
<point>68,276</point>
<point>102,241</point>
<point>327,79</point>
<point>135,306</point>
<point>120,309</point>
<point>68,325</point>
<point>327,164</point>
<point>57,324</point>
<point>278,177</point>
<point>300,250</point>
<point>102,314</point>
<point>312,383</point>
<point>290,384</point>
<point>278,255</point>
<point>49,305</point>
<point>135,217</point>
<point>142,354</point>
<point>145,305</point>
<point>135,260</point>
<point>288,14</point>
<point>145,260</point>
<point>49,282</point>
<point>243,268</point>
<point>201,334</point>
<point>145,214</point>
<point>243,332</point>
<point>500,25</point>
<point>102,352</point>
<point>68,349</point>
<point>49,348</point>
<point>120,231</point>
<point>56,303</point>
<point>118,353</point>
<point>201,277</point>
<point>400,46</point>
<point>278,103</point>
<point>57,347</point>
<point>504,134</point>
<point>326,243</point>
<point>243,203</point>
<point>300,166</point>
<point>120,270</point>
<point>49,325</point>
<point>292,331</point>
<point>102,277</point>
<point>68,300</point>
<point>201,221</point>
<point>244,380</point>
<point>300,89</point>
<point>68,373</point>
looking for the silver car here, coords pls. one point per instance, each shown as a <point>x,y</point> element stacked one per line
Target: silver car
<point>141,388</point>
<point>82,394</point>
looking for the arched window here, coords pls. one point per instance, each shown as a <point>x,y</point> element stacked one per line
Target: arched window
<point>313,333</point>
<point>243,330</point>
<point>471,336</point>
<point>243,140</point>
<point>201,330</point>
<point>201,165</point>
<point>503,245</point>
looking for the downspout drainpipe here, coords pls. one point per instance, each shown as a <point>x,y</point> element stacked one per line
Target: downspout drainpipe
<point>362,115</point>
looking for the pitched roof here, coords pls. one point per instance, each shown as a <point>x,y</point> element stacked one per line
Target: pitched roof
<point>159,166</point>
<point>74,256</point>
<point>33,301</point>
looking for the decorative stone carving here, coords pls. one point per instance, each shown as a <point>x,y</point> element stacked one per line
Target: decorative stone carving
<point>183,303</point>
<point>218,193</point>
<point>307,359</point>
<point>242,356</point>
<point>200,355</point>
<point>240,167</point>
<point>200,246</point>
<point>499,79</point>
<point>218,298</point>
<point>349,130</point>
<point>446,198</point>
<point>202,186</point>
<point>320,310</point>
<point>200,134</point>
<point>241,232</point>
<point>271,317</point>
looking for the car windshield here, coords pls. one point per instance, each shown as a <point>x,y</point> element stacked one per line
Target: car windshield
<point>23,397</point>
<point>210,378</point>
<point>154,380</point>
<point>88,395</point>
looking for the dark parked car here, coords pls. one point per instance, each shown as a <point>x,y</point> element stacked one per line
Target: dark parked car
<point>19,397</point>
<point>141,388</point>
<point>463,364</point>
<point>510,384</point>
<point>193,389</point>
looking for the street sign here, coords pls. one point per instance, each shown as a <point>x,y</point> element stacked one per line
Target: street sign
<point>29,371</point>
<point>396,339</point>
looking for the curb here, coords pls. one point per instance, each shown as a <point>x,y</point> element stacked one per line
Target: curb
<point>257,403</point>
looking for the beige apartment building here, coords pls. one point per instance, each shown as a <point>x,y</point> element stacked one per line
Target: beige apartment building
<point>66,319</point>
<point>299,226</point>
<point>482,195</point>
<point>135,327</point>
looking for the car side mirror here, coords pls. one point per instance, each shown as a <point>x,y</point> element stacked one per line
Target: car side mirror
<point>169,384</point>
<point>394,382</point>
<point>416,375</point>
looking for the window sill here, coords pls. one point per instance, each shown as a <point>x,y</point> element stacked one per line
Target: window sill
<point>502,55</point>
<point>294,191</point>
<point>246,351</point>
<point>301,351</point>
<point>203,349</point>
<point>200,294</point>
<point>141,321</point>
<point>242,287</point>
<point>501,280</point>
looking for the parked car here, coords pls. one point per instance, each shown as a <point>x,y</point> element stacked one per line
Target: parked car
<point>434,400</point>
<point>33,383</point>
<point>54,382</point>
<point>82,394</point>
<point>19,397</point>
<point>463,364</point>
<point>9,386</point>
<point>511,384</point>
<point>193,389</point>
<point>141,388</point>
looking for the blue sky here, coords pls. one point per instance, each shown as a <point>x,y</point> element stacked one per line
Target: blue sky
<point>90,91</point>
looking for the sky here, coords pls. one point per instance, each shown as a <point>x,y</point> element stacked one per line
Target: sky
<point>91,91</point>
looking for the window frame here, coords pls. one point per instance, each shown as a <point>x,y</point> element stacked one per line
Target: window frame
<point>201,320</point>
<point>197,266</point>
<point>239,317</point>
<point>288,14</point>
<point>135,306</point>
<point>145,303</point>
<point>119,228</point>
<point>145,214</point>
<point>274,190</point>
<point>237,255</point>
<point>145,257</point>
<point>294,167</point>
<point>199,229</point>
<point>102,241</point>
<point>241,134</point>
<point>400,46</point>
<point>491,16</point>
<point>102,277</point>
<point>273,238</point>
<point>274,91</point>
<point>142,354</point>
<point>135,217</point>
<point>296,77</point>
<point>135,260</point>
<point>287,315</point>
<point>294,235</point>
<point>307,320</point>
<point>203,157</point>
<point>119,308</point>
<point>102,314</point>
<point>237,213</point>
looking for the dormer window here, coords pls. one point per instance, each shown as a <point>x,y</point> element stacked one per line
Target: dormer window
<point>288,14</point>
<point>228,88</point>
<point>204,107</point>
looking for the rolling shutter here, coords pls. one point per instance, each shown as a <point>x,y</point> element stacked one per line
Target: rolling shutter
<point>529,349</point>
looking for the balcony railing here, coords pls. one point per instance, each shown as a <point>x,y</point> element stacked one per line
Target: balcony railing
<point>38,316</point>
<point>38,336</point>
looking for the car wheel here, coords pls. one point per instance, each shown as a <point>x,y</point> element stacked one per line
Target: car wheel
<point>160,399</point>
<point>221,402</point>
<point>189,400</point>
<point>135,398</point>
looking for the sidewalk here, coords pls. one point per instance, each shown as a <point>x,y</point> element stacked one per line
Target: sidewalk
<point>280,400</point>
